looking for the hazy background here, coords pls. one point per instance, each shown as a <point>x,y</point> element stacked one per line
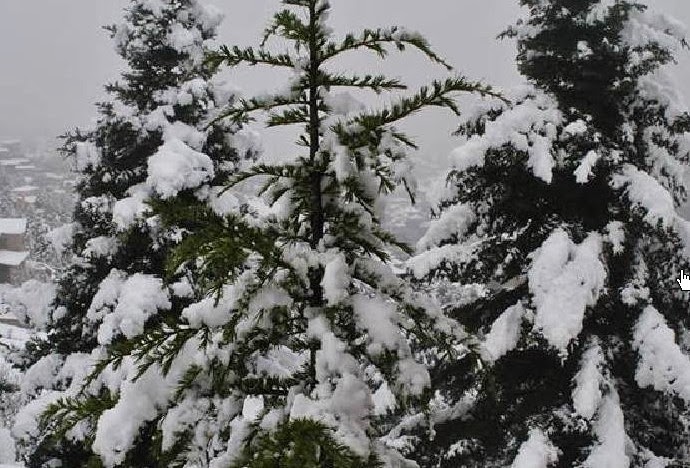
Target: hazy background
<point>55,58</point>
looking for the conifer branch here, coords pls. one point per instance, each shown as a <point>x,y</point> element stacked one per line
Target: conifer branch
<point>288,25</point>
<point>439,94</point>
<point>375,83</point>
<point>404,139</point>
<point>375,40</point>
<point>242,112</point>
<point>275,171</point>
<point>288,117</point>
<point>67,412</point>
<point>235,56</point>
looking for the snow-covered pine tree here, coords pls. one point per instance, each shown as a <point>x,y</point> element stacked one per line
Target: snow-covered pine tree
<point>302,352</point>
<point>155,141</point>
<point>561,219</point>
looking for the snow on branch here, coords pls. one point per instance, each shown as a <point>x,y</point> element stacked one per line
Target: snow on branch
<point>662,365</point>
<point>565,278</point>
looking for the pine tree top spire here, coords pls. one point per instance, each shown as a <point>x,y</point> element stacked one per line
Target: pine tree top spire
<point>590,53</point>
<point>163,43</point>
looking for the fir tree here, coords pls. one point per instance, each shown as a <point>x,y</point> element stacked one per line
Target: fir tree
<point>561,217</point>
<point>154,141</point>
<point>303,351</point>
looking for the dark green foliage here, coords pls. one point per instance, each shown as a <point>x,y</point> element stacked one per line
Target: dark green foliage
<point>516,211</point>
<point>300,443</point>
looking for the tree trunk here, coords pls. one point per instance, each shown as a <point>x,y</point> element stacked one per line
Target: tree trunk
<point>317,215</point>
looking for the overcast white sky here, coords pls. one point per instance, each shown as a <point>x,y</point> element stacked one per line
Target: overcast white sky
<point>55,58</point>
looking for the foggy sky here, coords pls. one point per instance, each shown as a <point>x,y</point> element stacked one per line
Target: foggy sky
<point>55,58</point>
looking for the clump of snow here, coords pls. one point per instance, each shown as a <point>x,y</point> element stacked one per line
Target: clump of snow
<point>154,6</point>
<point>636,289</point>
<point>344,401</point>
<point>61,237</point>
<point>536,452</point>
<point>578,127</point>
<point>504,334</point>
<point>208,16</point>
<point>587,394</point>
<point>564,279</point>
<point>345,409</point>
<point>41,374</point>
<point>26,422</point>
<point>183,39</point>
<point>423,263</point>
<point>384,400</point>
<point>187,134</point>
<point>584,170</point>
<point>280,361</point>
<point>584,50</point>
<point>101,246</point>
<point>224,202</point>
<point>599,11</point>
<point>128,210</point>
<point>453,222</point>
<point>661,87</point>
<point>336,280</point>
<point>176,167</point>
<point>379,319</point>
<point>615,235</point>
<point>530,126</point>
<point>139,402</point>
<point>123,304</point>
<point>609,428</point>
<point>206,312</point>
<point>644,28</point>
<point>662,365</point>
<point>183,95</point>
<point>341,159</point>
<point>646,192</point>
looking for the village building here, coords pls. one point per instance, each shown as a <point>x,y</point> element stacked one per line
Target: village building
<point>13,252</point>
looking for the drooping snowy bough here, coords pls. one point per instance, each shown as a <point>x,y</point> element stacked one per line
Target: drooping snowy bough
<point>562,210</point>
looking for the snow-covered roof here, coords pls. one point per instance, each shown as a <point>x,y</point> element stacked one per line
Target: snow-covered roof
<point>13,162</point>
<point>13,333</point>
<point>30,199</point>
<point>25,188</point>
<point>10,258</point>
<point>10,142</point>
<point>27,167</point>
<point>4,150</point>
<point>12,225</point>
